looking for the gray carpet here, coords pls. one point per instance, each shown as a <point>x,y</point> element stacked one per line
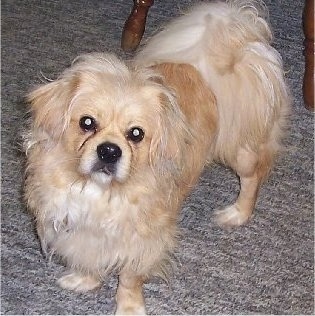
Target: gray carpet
<point>265,267</point>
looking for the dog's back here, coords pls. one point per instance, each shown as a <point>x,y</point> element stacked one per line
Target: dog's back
<point>229,44</point>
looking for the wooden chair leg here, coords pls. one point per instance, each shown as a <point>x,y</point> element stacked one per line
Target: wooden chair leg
<point>308,27</point>
<point>135,25</point>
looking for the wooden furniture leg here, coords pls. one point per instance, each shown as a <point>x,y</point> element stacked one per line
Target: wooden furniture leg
<point>135,25</point>
<point>308,27</point>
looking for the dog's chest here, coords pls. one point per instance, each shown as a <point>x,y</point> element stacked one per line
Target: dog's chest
<point>97,230</point>
<point>90,206</point>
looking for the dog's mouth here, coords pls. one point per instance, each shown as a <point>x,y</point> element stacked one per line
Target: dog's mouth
<point>106,168</point>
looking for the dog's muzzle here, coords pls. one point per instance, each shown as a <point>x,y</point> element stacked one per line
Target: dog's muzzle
<point>108,155</point>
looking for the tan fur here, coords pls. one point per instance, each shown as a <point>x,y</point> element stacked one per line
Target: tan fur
<point>228,107</point>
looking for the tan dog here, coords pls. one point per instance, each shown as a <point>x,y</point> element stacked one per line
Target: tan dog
<point>115,148</point>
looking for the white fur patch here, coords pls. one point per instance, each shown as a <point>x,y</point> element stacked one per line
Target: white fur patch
<point>231,216</point>
<point>78,283</point>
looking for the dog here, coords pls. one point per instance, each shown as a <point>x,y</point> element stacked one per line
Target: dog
<point>115,147</point>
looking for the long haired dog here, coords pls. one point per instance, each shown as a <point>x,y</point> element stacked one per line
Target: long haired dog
<point>115,148</point>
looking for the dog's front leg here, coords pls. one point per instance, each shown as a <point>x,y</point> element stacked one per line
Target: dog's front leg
<point>78,282</point>
<point>129,298</point>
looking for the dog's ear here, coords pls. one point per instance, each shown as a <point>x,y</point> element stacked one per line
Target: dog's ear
<point>169,138</point>
<point>50,106</point>
<point>184,92</point>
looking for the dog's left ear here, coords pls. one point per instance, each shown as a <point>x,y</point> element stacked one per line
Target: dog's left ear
<point>169,139</point>
<point>50,104</point>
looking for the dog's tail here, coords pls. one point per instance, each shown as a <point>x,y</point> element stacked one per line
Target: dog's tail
<point>211,30</point>
<point>229,44</point>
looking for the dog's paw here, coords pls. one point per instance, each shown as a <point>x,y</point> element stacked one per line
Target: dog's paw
<point>130,310</point>
<point>231,217</point>
<point>77,282</point>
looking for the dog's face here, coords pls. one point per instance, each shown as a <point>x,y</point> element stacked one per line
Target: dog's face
<point>111,121</point>
<point>111,128</point>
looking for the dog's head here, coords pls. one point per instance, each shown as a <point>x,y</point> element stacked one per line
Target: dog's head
<point>113,121</point>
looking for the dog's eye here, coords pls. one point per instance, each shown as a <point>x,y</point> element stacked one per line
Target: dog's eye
<point>87,123</point>
<point>135,134</point>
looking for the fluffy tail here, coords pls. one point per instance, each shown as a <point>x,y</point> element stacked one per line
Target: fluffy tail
<point>229,44</point>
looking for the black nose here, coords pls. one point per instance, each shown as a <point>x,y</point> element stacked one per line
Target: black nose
<point>108,152</point>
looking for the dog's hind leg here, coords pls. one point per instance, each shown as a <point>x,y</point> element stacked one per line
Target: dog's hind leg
<point>252,168</point>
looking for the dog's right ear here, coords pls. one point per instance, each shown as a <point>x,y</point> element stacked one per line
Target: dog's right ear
<point>50,105</point>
